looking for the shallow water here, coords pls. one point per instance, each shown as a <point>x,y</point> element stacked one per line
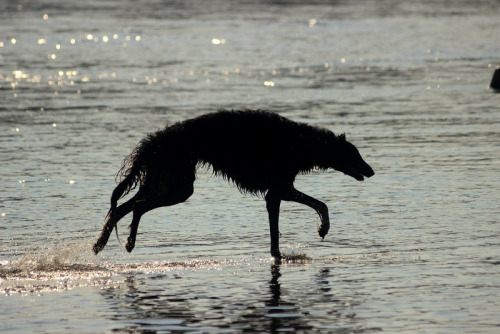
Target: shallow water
<point>413,249</point>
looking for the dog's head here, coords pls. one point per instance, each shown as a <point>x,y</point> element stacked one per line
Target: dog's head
<point>348,160</point>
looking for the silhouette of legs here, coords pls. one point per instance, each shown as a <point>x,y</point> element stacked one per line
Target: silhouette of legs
<point>320,207</point>
<point>174,192</point>
<point>112,219</point>
<point>175,195</point>
<point>146,199</point>
<point>273,200</point>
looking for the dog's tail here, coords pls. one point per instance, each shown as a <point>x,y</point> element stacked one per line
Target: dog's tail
<point>129,182</point>
<point>134,170</point>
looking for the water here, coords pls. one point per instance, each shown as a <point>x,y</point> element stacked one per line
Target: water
<point>413,249</point>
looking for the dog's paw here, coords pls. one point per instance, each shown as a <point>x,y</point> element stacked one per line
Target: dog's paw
<point>130,244</point>
<point>276,253</point>
<point>323,230</point>
<point>97,248</point>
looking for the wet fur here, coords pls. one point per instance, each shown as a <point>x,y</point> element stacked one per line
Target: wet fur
<point>259,151</point>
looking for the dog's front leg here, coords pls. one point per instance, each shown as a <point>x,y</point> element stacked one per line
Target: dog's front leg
<point>273,202</point>
<point>320,207</point>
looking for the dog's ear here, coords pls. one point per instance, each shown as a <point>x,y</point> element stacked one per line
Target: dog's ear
<point>342,137</point>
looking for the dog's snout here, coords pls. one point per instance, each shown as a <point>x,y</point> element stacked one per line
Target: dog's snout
<point>368,171</point>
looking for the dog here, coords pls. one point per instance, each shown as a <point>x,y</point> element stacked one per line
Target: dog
<point>259,151</point>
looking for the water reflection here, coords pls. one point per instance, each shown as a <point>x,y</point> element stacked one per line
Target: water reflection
<point>206,302</point>
<point>275,286</point>
<point>137,306</point>
<point>283,315</point>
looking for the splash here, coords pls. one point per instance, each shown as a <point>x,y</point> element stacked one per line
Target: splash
<point>71,265</point>
<point>295,258</point>
<point>62,267</point>
<point>357,257</point>
<point>57,257</point>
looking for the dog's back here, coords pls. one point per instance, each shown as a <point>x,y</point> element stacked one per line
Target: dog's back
<point>254,149</point>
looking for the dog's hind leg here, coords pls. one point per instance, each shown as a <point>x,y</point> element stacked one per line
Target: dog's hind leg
<point>114,215</point>
<point>296,196</point>
<point>273,201</point>
<point>176,194</point>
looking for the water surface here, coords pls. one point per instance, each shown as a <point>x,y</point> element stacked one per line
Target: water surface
<point>413,249</point>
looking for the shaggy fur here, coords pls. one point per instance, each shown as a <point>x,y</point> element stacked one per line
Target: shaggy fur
<point>259,151</point>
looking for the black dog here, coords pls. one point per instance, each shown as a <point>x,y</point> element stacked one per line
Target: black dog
<point>261,152</point>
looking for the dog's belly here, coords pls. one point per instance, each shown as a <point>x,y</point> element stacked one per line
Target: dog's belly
<point>252,177</point>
